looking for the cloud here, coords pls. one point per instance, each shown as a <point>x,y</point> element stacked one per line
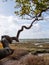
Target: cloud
<point>9,25</point>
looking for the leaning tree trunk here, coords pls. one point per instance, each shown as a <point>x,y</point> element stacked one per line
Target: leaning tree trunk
<point>22,28</point>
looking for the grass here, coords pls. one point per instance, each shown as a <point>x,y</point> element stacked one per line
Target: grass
<point>30,46</point>
<point>28,59</point>
<point>23,54</point>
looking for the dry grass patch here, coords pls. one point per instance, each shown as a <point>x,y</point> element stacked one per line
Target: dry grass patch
<point>28,59</point>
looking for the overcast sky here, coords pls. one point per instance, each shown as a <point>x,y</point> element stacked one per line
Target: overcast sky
<point>10,23</point>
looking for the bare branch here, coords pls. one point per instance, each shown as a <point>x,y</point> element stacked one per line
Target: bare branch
<point>22,28</point>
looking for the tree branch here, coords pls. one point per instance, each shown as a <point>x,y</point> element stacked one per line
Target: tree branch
<point>22,28</point>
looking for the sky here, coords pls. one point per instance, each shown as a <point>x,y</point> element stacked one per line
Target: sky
<point>10,23</point>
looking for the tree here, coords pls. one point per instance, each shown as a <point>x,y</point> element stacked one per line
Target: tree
<point>31,8</point>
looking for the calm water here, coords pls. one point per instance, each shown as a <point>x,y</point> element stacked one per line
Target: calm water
<point>35,40</point>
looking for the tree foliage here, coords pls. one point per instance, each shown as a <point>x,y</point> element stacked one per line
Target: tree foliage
<point>31,7</point>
